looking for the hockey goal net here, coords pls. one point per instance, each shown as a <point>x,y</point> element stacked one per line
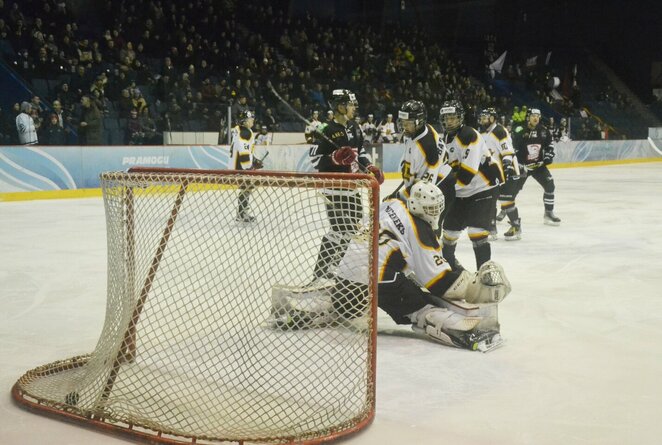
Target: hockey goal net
<point>190,351</point>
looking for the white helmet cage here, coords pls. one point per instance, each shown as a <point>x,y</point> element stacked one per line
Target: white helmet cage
<point>427,202</point>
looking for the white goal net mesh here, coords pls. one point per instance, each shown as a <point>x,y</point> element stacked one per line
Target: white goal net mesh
<point>213,329</point>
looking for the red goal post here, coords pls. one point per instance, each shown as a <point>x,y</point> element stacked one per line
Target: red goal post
<point>189,351</point>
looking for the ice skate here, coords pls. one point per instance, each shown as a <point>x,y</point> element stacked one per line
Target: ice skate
<point>494,235</point>
<point>483,341</point>
<point>513,234</point>
<point>295,320</point>
<point>244,218</point>
<point>551,219</point>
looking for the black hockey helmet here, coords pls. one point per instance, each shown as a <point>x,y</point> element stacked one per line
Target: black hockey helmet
<point>451,115</point>
<point>412,110</point>
<point>533,112</point>
<point>484,116</point>
<point>489,111</point>
<point>342,97</point>
<point>244,115</point>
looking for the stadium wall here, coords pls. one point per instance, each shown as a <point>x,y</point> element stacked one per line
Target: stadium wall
<point>36,172</point>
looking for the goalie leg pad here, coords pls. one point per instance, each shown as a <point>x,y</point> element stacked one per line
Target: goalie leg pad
<point>295,308</point>
<point>441,324</point>
<point>489,285</point>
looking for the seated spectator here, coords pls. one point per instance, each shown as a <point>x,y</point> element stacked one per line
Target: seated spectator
<point>134,129</point>
<point>125,103</point>
<point>239,106</point>
<point>139,102</point>
<point>270,120</point>
<point>148,127</point>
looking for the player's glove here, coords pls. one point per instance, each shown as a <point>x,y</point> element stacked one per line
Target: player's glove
<point>257,164</point>
<point>509,169</point>
<point>377,172</point>
<point>548,158</point>
<point>344,156</point>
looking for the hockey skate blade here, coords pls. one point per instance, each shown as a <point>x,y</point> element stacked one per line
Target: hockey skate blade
<point>551,223</point>
<point>489,345</point>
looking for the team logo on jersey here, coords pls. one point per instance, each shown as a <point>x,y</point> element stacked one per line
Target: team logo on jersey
<point>533,152</point>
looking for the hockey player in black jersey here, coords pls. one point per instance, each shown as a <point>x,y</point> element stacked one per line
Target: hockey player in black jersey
<point>535,151</point>
<point>340,150</point>
<point>477,174</point>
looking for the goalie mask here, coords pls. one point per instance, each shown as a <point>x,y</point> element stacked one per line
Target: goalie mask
<point>412,117</point>
<point>486,117</point>
<point>427,202</point>
<point>344,98</point>
<point>451,116</point>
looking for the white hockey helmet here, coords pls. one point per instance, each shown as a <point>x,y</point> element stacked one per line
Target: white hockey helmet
<point>427,202</point>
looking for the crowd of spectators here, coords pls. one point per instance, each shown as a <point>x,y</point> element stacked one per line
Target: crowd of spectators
<point>162,65</point>
<point>178,66</point>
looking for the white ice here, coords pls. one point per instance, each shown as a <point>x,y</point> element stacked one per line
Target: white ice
<point>582,363</point>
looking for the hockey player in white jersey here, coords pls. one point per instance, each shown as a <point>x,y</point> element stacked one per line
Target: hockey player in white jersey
<point>477,175</point>
<point>424,152</point>
<point>386,130</point>
<point>499,142</point>
<point>242,158</point>
<point>314,128</point>
<point>369,129</point>
<point>425,157</point>
<point>415,282</point>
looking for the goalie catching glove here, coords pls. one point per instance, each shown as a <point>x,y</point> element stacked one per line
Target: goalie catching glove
<point>344,156</point>
<point>379,176</point>
<point>257,164</point>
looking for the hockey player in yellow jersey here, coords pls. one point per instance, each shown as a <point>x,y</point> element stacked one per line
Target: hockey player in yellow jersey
<point>242,158</point>
<point>477,173</point>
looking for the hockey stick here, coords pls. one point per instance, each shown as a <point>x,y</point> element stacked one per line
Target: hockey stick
<point>307,122</point>
<point>263,157</point>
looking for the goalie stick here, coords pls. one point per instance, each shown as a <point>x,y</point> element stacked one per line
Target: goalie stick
<point>307,122</point>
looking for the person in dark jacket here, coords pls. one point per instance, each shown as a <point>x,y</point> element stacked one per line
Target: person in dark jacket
<point>89,128</point>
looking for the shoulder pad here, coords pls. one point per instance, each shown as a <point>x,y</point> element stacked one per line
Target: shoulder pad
<point>424,232</point>
<point>245,133</point>
<point>467,135</point>
<point>500,132</point>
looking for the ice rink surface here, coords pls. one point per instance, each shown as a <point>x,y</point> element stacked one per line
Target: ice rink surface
<point>582,363</point>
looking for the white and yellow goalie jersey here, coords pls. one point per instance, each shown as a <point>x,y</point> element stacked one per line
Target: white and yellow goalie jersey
<point>408,244</point>
<point>241,148</point>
